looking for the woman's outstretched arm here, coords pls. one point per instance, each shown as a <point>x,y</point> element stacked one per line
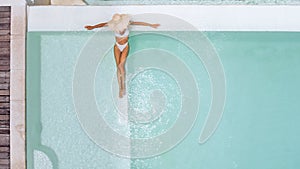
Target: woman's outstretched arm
<point>89,27</point>
<point>144,24</point>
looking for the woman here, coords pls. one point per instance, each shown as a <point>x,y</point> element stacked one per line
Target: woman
<point>119,24</point>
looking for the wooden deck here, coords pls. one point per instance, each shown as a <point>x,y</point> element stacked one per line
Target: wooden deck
<point>5,16</point>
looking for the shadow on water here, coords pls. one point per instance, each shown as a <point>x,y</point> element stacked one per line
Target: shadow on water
<point>33,106</point>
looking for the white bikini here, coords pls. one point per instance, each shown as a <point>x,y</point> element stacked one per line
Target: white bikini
<point>124,35</point>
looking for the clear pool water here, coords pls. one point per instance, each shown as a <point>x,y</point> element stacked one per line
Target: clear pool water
<point>259,127</point>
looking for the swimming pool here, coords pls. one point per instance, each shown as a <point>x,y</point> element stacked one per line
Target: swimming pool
<point>258,128</point>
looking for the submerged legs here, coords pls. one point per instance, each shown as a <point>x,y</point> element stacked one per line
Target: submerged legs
<point>120,58</point>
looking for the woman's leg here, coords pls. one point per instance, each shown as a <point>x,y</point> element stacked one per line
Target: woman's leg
<point>121,67</point>
<point>117,54</point>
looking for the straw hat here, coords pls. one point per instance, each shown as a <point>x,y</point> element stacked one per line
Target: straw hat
<point>119,22</point>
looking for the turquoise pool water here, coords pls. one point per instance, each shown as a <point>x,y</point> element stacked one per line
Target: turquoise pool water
<point>259,127</point>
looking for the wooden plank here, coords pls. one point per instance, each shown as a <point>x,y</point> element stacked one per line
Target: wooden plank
<point>4,74</point>
<point>4,166</point>
<point>4,87</point>
<point>5,20</point>
<point>4,117</point>
<point>4,26</point>
<point>4,161</point>
<point>4,111</point>
<point>4,155</point>
<point>4,8</point>
<point>4,67</point>
<point>4,149</point>
<point>4,99</point>
<point>5,61</point>
<point>4,56</point>
<point>4,80</point>
<point>4,140</point>
<point>4,93</point>
<point>4,131</point>
<point>4,51</point>
<point>4,126</point>
<point>4,123</point>
<point>4,14</point>
<point>4,32</point>
<point>4,105</point>
<point>4,38</point>
<point>5,44</point>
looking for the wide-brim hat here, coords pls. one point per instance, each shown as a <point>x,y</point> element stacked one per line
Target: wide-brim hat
<point>119,22</point>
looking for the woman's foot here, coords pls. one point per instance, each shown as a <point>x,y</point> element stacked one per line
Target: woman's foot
<point>120,93</point>
<point>124,91</point>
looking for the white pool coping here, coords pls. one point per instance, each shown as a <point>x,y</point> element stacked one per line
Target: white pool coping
<point>203,17</point>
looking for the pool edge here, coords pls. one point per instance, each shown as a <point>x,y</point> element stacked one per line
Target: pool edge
<point>17,88</point>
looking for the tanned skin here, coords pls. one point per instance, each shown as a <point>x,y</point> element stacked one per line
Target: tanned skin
<point>120,57</point>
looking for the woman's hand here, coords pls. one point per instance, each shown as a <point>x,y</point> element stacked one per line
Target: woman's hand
<point>88,27</point>
<point>155,25</point>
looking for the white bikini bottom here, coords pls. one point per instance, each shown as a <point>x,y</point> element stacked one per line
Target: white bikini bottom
<point>121,47</point>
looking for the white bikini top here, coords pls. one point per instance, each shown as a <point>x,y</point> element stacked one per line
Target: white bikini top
<point>125,34</point>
